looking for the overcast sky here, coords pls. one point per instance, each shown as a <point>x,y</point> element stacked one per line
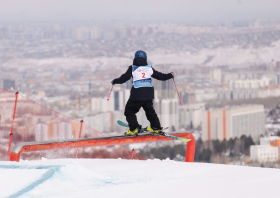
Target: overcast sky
<point>179,10</point>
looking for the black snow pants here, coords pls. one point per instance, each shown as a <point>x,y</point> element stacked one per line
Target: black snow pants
<point>133,106</point>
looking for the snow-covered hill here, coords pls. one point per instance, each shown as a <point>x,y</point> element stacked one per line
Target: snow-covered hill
<point>133,178</point>
<point>233,56</point>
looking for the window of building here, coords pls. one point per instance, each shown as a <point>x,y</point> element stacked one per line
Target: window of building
<point>116,97</point>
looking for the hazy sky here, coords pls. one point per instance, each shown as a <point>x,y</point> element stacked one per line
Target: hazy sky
<point>180,10</point>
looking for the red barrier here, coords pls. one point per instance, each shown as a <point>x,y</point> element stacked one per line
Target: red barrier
<point>102,141</point>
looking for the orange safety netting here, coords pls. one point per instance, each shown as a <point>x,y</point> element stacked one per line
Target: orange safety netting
<point>34,122</point>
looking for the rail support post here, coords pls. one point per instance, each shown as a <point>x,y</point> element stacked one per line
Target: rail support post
<point>132,154</point>
<point>190,149</point>
<point>12,129</point>
<point>81,126</point>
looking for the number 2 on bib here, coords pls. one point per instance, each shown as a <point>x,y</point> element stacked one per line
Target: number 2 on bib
<point>143,75</point>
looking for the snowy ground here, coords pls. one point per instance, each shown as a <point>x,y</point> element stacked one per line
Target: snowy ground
<point>233,56</point>
<point>133,178</point>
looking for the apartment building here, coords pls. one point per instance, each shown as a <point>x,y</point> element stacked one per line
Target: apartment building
<point>233,121</point>
<point>190,115</point>
<point>264,153</point>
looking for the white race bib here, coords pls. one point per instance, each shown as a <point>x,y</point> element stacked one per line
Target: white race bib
<point>142,76</point>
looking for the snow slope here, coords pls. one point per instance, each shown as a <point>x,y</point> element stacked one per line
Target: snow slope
<point>133,178</point>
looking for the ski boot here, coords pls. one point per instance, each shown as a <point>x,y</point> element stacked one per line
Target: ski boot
<point>153,130</point>
<point>134,132</point>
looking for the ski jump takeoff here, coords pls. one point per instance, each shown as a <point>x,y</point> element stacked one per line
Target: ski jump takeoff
<point>142,93</point>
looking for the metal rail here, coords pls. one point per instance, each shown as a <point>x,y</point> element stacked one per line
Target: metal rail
<point>101,141</point>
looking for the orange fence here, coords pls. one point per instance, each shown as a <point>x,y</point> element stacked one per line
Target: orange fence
<point>23,120</point>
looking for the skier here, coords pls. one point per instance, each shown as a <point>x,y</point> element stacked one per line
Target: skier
<point>142,93</point>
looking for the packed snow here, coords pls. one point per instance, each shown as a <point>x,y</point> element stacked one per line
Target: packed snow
<point>134,178</point>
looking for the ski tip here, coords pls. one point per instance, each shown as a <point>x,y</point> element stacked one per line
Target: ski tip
<point>185,140</point>
<point>107,99</point>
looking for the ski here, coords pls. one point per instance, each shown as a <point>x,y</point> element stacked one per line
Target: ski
<point>161,133</point>
<point>126,125</point>
<point>122,123</point>
<point>174,137</point>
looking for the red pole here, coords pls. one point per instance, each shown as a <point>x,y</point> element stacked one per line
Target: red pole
<point>132,154</point>
<point>110,93</point>
<point>177,91</point>
<point>79,136</point>
<point>11,134</point>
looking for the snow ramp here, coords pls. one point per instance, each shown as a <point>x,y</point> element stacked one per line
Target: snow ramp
<point>31,180</point>
<point>134,178</point>
<point>15,180</point>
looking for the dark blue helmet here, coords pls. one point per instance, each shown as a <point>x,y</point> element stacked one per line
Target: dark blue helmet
<point>141,54</point>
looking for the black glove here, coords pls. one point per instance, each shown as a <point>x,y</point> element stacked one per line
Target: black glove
<point>172,74</point>
<point>114,81</point>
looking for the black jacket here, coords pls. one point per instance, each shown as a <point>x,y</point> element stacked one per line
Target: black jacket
<point>142,93</point>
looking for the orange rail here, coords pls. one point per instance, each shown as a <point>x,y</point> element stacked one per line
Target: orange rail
<point>102,141</point>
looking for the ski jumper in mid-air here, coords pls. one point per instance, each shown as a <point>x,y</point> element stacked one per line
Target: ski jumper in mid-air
<point>142,93</point>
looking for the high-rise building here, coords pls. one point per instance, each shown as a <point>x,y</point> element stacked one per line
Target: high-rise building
<point>278,79</point>
<point>82,33</point>
<point>165,89</point>
<point>235,121</point>
<point>3,33</point>
<point>190,115</point>
<point>102,105</point>
<point>101,122</point>
<point>120,99</point>
<point>108,35</point>
<point>188,97</point>
<point>216,75</point>
<point>65,130</point>
<point>95,33</point>
<point>249,83</point>
<point>116,102</point>
<point>167,111</point>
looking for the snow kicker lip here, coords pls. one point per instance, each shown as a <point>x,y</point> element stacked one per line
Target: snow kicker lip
<point>51,169</point>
